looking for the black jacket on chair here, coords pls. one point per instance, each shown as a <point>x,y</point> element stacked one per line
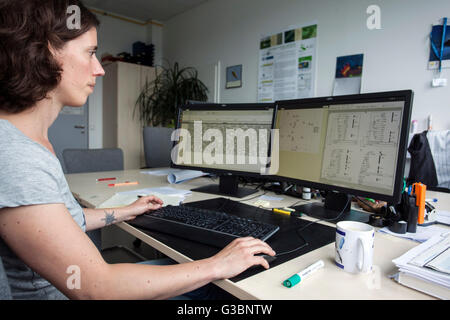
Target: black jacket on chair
<point>422,167</point>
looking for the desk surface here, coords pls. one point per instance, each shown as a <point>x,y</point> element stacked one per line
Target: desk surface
<point>328,283</point>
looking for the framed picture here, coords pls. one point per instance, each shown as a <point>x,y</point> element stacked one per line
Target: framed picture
<point>234,77</point>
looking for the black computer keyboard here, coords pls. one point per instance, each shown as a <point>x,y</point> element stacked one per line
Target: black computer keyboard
<point>202,225</point>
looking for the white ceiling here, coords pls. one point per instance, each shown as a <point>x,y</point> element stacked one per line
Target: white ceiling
<point>144,10</point>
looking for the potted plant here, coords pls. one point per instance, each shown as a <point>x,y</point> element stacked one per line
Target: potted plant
<point>159,100</point>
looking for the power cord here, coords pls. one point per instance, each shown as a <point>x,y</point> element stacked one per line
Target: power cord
<point>328,220</point>
<point>305,243</point>
<point>254,197</point>
<point>309,224</point>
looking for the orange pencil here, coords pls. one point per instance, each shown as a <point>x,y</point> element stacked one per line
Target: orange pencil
<point>126,183</point>
<point>420,190</point>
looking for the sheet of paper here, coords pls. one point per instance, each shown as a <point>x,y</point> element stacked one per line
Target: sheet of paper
<point>161,172</point>
<point>270,198</point>
<point>118,200</point>
<point>160,190</point>
<point>184,175</point>
<point>443,217</point>
<point>427,256</point>
<point>121,200</point>
<point>176,175</point>
<point>422,233</point>
<point>441,262</point>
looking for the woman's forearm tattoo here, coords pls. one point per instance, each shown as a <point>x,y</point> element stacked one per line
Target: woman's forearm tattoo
<point>109,218</point>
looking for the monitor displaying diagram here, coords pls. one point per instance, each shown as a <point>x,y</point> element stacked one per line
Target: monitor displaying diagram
<point>354,146</point>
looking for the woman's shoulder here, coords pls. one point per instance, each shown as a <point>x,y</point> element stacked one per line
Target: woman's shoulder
<point>18,149</point>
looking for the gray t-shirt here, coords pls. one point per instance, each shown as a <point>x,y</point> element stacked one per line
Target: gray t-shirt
<point>30,174</point>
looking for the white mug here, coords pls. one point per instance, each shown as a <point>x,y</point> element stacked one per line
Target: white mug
<point>354,246</point>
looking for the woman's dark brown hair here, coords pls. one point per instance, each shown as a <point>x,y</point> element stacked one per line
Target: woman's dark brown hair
<point>28,28</point>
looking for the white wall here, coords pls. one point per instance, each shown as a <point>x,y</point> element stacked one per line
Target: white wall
<point>395,57</point>
<point>114,36</point>
<point>155,36</point>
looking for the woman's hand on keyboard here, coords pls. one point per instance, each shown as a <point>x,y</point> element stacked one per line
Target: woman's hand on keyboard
<point>142,205</point>
<point>239,255</point>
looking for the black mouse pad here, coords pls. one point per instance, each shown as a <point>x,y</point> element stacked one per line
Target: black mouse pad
<point>294,234</point>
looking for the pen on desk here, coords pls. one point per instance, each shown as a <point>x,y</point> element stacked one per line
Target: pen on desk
<point>105,179</point>
<point>126,183</point>
<point>302,275</point>
<point>281,211</point>
<point>288,211</point>
<point>431,200</point>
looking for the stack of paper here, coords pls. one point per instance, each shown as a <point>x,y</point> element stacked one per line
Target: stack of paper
<point>427,267</point>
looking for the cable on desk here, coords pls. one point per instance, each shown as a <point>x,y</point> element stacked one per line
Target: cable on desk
<point>333,219</point>
<point>254,197</point>
<point>305,243</point>
<point>296,249</point>
<point>309,224</point>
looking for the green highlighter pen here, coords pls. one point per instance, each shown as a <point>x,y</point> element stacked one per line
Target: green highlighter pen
<point>296,278</point>
<point>371,200</point>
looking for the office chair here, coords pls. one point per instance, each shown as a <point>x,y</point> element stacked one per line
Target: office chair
<point>157,146</point>
<point>97,160</point>
<point>93,160</point>
<point>5,290</point>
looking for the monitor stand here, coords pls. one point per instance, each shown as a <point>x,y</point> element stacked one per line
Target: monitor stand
<point>333,207</point>
<point>228,186</point>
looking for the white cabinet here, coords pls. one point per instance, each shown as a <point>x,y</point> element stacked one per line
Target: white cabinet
<point>122,85</point>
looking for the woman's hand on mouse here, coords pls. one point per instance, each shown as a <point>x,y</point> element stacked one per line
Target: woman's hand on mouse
<point>239,255</point>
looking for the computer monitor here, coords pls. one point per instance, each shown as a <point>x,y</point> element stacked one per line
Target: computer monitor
<point>197,102</point>
<point>353,144</point>
<point>229,140</point>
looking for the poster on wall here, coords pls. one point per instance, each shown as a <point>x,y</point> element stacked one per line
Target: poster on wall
<point>348,75</point>
<point>287,61</point>
<point>234,77</point>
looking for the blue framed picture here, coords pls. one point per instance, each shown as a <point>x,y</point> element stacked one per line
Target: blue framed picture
<point>234,77</point>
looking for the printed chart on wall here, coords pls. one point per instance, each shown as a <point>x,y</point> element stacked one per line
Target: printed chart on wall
<point>287,64</point>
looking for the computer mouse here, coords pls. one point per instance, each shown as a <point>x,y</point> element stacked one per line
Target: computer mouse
<point>268,258</point>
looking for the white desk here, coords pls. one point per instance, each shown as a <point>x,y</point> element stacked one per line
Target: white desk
<point>329,283</point>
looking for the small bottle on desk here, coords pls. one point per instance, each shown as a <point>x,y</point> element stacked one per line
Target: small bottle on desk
<point>306,194</point>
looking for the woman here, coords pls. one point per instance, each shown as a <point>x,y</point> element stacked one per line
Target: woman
<point>45,65</point>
